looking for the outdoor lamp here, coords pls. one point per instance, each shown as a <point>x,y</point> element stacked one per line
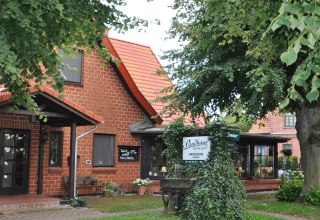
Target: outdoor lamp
<point>163,170</point>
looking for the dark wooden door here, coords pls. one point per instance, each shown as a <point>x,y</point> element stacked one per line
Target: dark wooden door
<point>14,151</point>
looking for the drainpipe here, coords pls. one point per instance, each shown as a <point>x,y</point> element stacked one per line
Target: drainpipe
<point>75,159</point>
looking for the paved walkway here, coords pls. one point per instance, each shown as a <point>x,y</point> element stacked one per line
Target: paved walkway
<point>281,216</point>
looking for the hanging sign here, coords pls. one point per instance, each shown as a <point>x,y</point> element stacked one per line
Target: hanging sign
<point>195,149</point>
<point>233,135</point>
<point>128,153</point>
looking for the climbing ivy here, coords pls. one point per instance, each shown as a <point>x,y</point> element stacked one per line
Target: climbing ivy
<point>218,192</point>
<point>173,137</point>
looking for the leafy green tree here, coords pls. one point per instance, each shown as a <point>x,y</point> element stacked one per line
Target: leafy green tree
<point>255,54</point>
<point>242,123</point>
<point>31,30</point>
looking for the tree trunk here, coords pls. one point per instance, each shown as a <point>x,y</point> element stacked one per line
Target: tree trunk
<point>308,133</point>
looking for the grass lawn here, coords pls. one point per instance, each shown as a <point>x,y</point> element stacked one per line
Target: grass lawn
<point>139,216</point>
<point>124,203</point>
<point>136,203</point>
<point>258,216</point>
<point>268,196</point>
<point>297,209</point>
<point>161,215</point>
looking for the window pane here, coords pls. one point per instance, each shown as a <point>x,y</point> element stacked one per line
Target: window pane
<point>103,150</point>
<point>290,120</point>
<point>241,158</point>
<point>264,161</point>
<point>72,66</point>
<point>158,159</point>
<point>287,146</point>
<point>55,148</point>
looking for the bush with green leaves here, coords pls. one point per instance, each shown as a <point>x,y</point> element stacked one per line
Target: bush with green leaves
<point>218,193</point>
<point>77,202</point>
<point>289,192</point>
<point>295,163</point>
<point>312,196</point>
<point>173,137</point>
<point>292,163</point>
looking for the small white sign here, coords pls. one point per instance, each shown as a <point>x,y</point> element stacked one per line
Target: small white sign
<point>196,148</point>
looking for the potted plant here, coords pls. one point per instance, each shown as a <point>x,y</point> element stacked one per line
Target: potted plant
<point>287,152</point>
<point>141,185</point>
<point>94,180</point>
<point>108,189</point>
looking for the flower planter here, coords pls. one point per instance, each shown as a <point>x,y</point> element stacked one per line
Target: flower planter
<point>142,190</point>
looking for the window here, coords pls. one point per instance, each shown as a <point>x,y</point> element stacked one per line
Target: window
<point>55,148</point>
<point>241,159</point>
<point>157,158</point>
<point>287,146</point>
<point>263,161</point>
<point>290,120</point>
<point>72,66</point>
<point>103,150</point>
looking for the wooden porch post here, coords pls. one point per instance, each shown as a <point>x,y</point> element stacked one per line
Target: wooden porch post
<point>275,164</point>
<point>72,160</point>
<point>252,146</point>
<point>40,158</point>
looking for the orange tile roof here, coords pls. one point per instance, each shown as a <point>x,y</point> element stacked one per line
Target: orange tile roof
<point>142,65</point>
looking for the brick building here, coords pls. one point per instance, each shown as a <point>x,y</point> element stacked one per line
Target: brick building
<point>279,124</point>
<point>113,102</point>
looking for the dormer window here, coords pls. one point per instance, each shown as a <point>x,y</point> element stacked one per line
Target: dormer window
<point>72,66</point>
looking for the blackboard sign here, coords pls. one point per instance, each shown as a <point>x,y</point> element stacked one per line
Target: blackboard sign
<point>128,153</point>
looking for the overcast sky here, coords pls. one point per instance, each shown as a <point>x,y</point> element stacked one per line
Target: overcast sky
<point>155,34</point>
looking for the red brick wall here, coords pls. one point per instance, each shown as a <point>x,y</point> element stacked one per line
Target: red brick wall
<point>262,125</point>
<point>102,93</point>
<point>275,125</point>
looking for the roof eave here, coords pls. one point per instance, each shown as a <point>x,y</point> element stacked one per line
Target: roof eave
<point>132,86</point>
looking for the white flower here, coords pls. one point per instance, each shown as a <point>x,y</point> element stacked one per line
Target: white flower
<point>141,182</point>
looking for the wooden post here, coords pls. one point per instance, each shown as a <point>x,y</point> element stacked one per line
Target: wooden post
<point>275,162</point>
<point>41,157</point>
<point>72,160</point>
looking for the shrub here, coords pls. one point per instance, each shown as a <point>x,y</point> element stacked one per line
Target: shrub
<point>292,163</point>
<point>218,193</point>
<point>295,163</point>
<point>108,189</point>
<point>290,191</point>
<point>78,202</point>
<point>312,196</point>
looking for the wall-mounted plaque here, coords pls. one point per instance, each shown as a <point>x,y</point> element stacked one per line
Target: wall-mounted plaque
<point>128,153</point>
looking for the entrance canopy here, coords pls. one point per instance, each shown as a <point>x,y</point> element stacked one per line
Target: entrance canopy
<point>60,112</point>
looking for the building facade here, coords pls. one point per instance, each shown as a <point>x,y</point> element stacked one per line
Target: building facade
<point>106,101</point>
<point>279,124</point>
